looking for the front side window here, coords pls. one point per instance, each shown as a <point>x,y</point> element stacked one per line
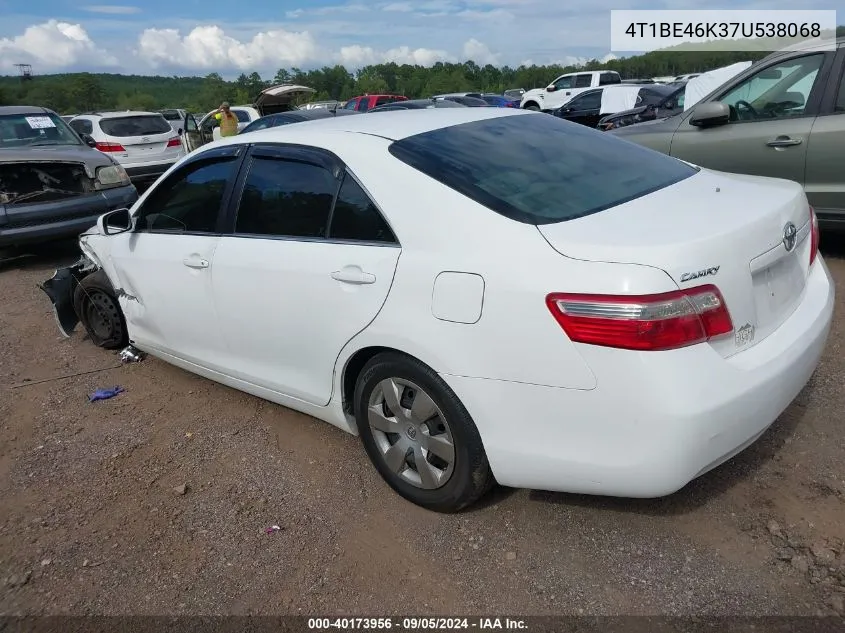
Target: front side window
<point>350,105</point>
<point>355,217</point>
<point>588,101</point>
<point>777,91</point>
<point>514,166</point>
<point>189,200</point>
<point>285,198</point>
<point>563,82</point>
<point>840,98</point>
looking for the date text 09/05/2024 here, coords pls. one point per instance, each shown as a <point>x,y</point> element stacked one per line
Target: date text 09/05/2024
<point>681,30</point>
<point>414,624</point>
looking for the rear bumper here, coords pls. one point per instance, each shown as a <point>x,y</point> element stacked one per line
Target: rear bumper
<point>32,223</point>
<point>656,420</point>
<point>147,173</point>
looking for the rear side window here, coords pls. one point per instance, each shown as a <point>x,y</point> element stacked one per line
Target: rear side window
<point>242,115</point>
<point>539,169</point>
<point>355,217</point>
<point>82,126</point>
<point>583,81</point>
<point>609,78</point>
<point>136,125</point>
<point>364,104</point>
<point>284,198</point>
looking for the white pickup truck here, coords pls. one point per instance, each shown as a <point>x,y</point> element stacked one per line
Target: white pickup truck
<point>565,87</point>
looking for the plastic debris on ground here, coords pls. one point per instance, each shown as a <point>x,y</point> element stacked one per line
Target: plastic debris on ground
<point>105,394</point>
<point>271,529</point>
<point>131,355</point>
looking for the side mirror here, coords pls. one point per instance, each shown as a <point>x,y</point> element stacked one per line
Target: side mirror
<point>88,140</point>
<point>710,114</point>
<point>551,88</point>
<point>114,222</point>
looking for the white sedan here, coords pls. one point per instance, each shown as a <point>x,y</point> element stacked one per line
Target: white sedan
<point>481,294</point>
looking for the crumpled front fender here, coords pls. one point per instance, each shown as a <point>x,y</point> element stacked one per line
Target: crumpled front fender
<point>60,288</point>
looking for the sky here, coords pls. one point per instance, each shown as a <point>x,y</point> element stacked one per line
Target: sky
<point>190,37</point>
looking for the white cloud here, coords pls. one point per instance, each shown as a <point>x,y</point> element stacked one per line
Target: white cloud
<point>209,48</point>
<point>480,53</point>
<point>53,45</point>
<point>112,9</point>
<point>358,56</point>
<point>400,7</point>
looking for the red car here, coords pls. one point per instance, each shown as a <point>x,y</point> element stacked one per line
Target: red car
<point>366,102</point>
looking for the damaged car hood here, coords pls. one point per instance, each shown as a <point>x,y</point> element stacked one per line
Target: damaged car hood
<point>56,153</point>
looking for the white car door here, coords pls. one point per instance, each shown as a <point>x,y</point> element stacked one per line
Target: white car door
<point>164,264</point>
<point>308,266</point>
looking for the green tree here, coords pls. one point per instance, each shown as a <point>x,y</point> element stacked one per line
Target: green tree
<point>86,92</point>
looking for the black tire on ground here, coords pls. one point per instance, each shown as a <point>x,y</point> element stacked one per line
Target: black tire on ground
<point>471,476</point>
<point>532,106</point>
<point>96,305</point>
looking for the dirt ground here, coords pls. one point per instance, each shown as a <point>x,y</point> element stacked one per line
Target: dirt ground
<point>157,501</point>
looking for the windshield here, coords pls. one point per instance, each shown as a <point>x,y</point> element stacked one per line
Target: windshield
<point>539,169</point>
<point>135,125</point>
<point>34,130</point>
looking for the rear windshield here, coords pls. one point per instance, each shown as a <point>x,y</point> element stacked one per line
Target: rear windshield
<point>539,169</point>
<point>137,125</point>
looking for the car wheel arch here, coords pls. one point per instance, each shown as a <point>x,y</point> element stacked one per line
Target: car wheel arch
<point>352,368</point>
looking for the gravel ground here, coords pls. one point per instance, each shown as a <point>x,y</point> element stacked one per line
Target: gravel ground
<point>157,501</point>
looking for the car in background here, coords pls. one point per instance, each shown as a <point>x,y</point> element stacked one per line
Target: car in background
<point>67,118</point>
<point>53,185</point>
<point>279,98</point>
<point>465,100</point>
<point>175,117</point>
<point>325,266</point>
<point>514,93</point>
<point>143,142</point>
<point>325,105</point>
<point>566,87</point>
<point>687,77</point>
<point>591,106</point>
<point>498,101</point>
<point>417,104</point>
<point>783,117</point>
<point>367,102</point>
<point>294,116</point>
<point>657,101</point>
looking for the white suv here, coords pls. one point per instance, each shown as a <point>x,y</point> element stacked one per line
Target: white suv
<point>143,142</point>
<point>566,87</point>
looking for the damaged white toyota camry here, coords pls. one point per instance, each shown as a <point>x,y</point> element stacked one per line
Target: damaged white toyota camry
<point>481,294</point>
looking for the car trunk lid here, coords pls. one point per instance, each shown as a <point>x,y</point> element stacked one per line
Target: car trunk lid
<point>279,98</point>
<point>724,229</point>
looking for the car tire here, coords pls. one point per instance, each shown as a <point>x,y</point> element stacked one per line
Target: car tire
<point>432,417</point>
<point>532,106</point>
<point>97,307</point>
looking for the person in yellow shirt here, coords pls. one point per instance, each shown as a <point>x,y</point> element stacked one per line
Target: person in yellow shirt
<point>228,121</point>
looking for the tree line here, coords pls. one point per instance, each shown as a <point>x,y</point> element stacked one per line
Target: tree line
<point>80,92</point>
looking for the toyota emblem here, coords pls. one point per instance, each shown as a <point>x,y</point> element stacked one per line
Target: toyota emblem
<point>145,139</point>
<point>790,234</point>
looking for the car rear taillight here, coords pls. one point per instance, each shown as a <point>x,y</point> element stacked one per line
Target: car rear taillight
<point>174,142</point>
<point>110,147</point>
<point>814,236</point>
<point>643,322</point>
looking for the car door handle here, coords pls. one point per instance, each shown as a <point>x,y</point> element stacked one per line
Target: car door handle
<point>195,262</point>
<point>784,141</point>
<point>353,275</point>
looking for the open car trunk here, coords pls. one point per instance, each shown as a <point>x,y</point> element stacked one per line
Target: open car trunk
<point>280,98</point>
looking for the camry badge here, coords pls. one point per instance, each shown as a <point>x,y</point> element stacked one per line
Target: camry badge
<point>698,274</point>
